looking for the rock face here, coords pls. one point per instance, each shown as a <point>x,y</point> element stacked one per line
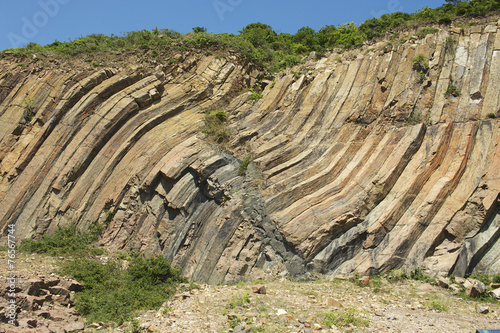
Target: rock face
<point>357,165</point>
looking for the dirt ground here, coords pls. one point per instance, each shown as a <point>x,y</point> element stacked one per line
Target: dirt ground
<point>286,306</point>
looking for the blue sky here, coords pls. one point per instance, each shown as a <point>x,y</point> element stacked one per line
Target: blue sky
<point>44,21</point>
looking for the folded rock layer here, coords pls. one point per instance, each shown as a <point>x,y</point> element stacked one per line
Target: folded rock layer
<point>359,164</point>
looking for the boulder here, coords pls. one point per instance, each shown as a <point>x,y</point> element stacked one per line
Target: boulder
<point>259,289</point>
<point>332,302</point>
<point>443,282</point>
<point>474,288</point>
<point>58,290</point>
<point>495,293</point>
<point>482,309</point>
<point>35,287</point>
<point>364,281</point>
<point>72,285</point>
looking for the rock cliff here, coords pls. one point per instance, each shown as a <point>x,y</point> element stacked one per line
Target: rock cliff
<point>359,163</point>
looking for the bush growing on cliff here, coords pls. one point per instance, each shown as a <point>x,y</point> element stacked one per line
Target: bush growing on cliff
<point>242,170</point>
<point>29,110</point>
<point>452,90</point>
<point>421,66</point>
<point>215,125</point>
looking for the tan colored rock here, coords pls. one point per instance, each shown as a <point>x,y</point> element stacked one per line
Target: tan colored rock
<point>495,293</point>
<point>332,302</point>
<point>361,168</point>
<point>153,328</point>
<point>482,309</point>
<point>443,282</point>
<point>364,281</point>
<point>259,289</point>
<point>474,288</point>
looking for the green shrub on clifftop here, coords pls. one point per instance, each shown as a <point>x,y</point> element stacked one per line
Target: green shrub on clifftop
<point>260,44</point>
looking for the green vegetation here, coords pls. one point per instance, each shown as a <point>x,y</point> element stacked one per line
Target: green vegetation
<point>486,279</point>
<point>261,44</point>
<point>239,300</point>
<point>343,318</point>
<point>215,125</point>
<point>421,66</point>
<point>111,294</point>
<point>452,90</point>
<point>255,96</point>
<point>65,241</point>
<point>492,116</point>
<point>437,305</point>
<point>242,170</point>
<point>199,29</point>
<point>29,110</point>
<point>450,45</point>
<point>425,31</point>
<point>399,275</point>
<point>414,118</point>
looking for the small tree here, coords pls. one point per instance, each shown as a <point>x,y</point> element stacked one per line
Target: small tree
<point>199,29</point>
<point>421,66</point>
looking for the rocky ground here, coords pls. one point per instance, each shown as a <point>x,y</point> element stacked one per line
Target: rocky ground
<point>266,306</point>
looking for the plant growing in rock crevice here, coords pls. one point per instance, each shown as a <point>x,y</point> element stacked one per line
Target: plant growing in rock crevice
<point>414,118</point>
<point>244,165</point>
<point>255,96</point>
<point>29,110</point>
<point>450,45</point>
<point>421,66</point>
<point>452,90</point>
<point>216,125</point>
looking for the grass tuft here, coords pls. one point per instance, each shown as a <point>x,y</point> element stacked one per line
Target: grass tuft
<point>344,318</point>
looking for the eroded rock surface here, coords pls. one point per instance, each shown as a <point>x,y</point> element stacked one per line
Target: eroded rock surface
<point>357,165</point>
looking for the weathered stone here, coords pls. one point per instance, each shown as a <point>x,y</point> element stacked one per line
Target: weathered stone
<point>495,293</point>
<point>51,282</point>
<point>482,309</point>
<point>153,328</point>
<point>74,326</point>
<point>474,288</point>
<point>58,290</point>
<point>259,289</point>
<point>332,302</point>
<point>455,289</point>
<point>72,285</point>
<point>35,287</point>
<point>281,312</point>
<point>30,303</point>
<point>232,316</point>
<point>443,282</point>
<point>490,29</point>
<point>364,281</point>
